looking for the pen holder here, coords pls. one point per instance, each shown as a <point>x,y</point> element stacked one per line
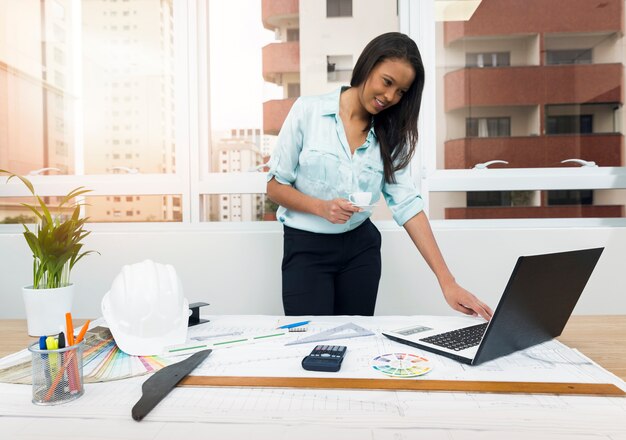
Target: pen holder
<point>57,374</point>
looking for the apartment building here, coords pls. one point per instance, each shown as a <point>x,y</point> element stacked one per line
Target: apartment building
<point>129,102</point>
<point>36,98</point>
<point>236,155</point>
<point>318,43</point>
<point>533,84</point>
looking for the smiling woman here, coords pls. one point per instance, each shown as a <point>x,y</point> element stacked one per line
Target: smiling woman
<point>332,261</point>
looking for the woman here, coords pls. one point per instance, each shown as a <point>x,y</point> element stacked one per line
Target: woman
<point>356,139</point>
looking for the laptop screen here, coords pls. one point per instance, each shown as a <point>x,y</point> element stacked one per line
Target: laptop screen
<point>537,301</point>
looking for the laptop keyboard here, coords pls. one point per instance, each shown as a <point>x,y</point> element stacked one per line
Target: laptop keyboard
<point>460,339</point>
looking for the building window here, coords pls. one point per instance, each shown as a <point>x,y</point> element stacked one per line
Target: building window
<point>293,34</point>
<point>488,59</point>
<point>569,56</point>
<point>569,124</point>
<point>488,198</point>
<point>488,127</point>
<point>570,197</point>
<point>338,8</point>
<point>339,68</point>
<point>477,199</point>
<point>293,90</point>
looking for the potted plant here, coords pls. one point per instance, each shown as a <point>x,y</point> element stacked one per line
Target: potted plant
<point>56,245</point>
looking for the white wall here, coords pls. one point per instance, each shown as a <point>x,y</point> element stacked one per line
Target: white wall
<point>321,36</point>
<point>238,271</point>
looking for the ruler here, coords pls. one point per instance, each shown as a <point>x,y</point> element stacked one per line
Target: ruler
<point>344,331</point>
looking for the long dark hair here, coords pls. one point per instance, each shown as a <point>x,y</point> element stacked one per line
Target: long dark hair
<point>395,127</point>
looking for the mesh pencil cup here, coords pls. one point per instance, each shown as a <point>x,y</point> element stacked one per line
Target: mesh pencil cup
<point>57,374</point>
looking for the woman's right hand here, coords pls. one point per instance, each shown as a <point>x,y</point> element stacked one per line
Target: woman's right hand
<point>338,211</point>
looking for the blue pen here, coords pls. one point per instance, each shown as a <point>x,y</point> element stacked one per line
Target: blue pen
<point>295,324</point>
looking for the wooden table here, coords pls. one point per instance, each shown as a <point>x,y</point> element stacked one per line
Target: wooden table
<point>602,338</point>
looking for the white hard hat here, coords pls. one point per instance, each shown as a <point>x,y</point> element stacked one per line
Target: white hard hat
<point>145,308</point>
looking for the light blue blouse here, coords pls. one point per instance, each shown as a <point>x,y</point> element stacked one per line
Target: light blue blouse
<point>313,155</point>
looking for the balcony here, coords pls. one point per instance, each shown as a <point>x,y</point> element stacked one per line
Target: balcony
<point>565,211</point>
<point>275,13</point>
<point>274,114</point>
<point>535,151</point>
<point>507,17</point>
<point>533,85</point>
<point>280,58</point>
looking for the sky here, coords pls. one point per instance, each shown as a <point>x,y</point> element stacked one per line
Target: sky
<point>238,91</point>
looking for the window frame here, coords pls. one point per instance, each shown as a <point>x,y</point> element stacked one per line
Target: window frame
<point>192,181</point>
<point>417,19</point>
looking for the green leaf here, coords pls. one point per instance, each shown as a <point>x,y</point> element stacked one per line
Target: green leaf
<point>37,213</point>
<point>74,193</point>
<point>56,244</point>
<point>24,180</point>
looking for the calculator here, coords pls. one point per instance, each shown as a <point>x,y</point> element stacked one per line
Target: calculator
<point>325,358</point>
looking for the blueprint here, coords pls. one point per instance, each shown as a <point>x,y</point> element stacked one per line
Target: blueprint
<point>283,412</point>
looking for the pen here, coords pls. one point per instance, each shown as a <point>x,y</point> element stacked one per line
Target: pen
<point>295,324</point>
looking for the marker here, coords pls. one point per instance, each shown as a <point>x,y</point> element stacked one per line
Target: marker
<point>52,344</point>
<point>61,339</point>
<point>70,329</point>
<point>82,332</point>
<point>47,369</point>
<point>295,324</point>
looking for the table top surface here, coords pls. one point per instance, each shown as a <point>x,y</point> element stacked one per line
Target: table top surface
<point>600,337</point>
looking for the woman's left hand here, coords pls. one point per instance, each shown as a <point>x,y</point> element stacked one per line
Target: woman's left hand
<point>463,301</point>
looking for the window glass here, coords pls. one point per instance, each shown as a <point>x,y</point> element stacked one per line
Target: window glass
<point>128,92</point>
<point>99,209</point>
<point>519,86</point>
<point>37,119</point>
<point>259,64</point>
<point>237,208</point>
<point>487,59</point>
<point>569,56</point>
<point>528,204</point>
<point>294,46</point>
<point>339,8</point>
<point>151,208</point>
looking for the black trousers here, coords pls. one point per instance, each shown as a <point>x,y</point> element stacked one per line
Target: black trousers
<point>331,274</point>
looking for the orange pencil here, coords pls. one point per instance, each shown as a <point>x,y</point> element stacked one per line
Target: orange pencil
<point>82,332</point>
<point>70,328</point>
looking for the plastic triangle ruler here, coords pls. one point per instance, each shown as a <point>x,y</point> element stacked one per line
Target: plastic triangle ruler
<point>344,331</point>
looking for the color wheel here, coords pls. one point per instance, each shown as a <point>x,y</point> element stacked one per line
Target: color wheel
<point>401,364</point>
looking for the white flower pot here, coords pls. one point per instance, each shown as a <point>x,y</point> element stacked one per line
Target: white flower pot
<point>46,309</point>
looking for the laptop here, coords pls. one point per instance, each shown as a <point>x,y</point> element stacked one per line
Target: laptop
<point>535,306</point>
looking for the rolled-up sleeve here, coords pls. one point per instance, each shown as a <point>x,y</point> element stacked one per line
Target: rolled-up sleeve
<point>402,197</point>
<point>284,160</point>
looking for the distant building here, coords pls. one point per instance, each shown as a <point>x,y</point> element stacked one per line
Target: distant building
<point>129,110</point>
<point>318,43</point>
<point>235,155</point>
<point>36,106</point>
